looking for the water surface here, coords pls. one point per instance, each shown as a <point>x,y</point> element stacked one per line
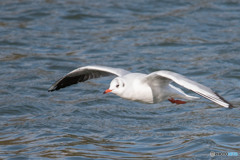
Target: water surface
<point>43,40</point>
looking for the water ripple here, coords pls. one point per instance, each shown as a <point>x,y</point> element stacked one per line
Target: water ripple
<point>43,40</point>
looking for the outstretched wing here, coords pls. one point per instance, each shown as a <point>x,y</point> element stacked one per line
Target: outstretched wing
<point>83,74</point>
<point>191,85</point>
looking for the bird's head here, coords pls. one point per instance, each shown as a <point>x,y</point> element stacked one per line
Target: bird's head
<point>117,86</point>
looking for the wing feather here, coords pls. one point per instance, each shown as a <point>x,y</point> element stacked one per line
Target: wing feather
<point>83,74</point>
<point>193,86</point>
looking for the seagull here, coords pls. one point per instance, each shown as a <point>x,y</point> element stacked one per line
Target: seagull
<point>146,88</point>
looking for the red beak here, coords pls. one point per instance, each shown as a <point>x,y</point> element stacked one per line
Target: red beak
<point>107,91</point>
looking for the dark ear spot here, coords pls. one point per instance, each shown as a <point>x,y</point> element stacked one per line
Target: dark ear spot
<point>123,84</point>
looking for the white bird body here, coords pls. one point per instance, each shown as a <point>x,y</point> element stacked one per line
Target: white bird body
<point>136,90</point>
<point>139,89</point>
<point>152,88</point>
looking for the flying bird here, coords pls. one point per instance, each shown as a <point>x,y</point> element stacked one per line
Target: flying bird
<point>146,88</point>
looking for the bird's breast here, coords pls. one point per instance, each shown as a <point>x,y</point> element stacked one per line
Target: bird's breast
<point>140,92</point>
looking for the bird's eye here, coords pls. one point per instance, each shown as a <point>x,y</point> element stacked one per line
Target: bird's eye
<point>117,85</point>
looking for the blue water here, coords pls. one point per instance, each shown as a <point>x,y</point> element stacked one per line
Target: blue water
<point>42,40</point>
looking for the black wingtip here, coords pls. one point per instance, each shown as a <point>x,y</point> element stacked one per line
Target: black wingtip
<point>230,106</point>
<point>52,88</point>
